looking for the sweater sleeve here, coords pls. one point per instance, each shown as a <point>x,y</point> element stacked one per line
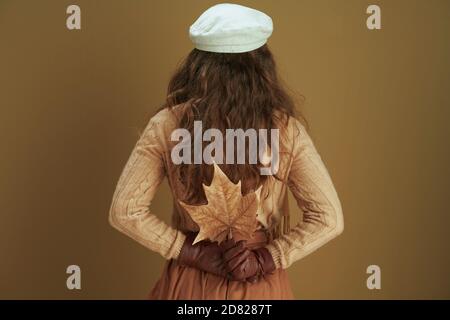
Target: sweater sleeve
<point>311,185</point>
<point>130,209</point>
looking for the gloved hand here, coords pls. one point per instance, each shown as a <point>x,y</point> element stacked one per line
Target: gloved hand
<point>204,255</point>
<point>244,264</point>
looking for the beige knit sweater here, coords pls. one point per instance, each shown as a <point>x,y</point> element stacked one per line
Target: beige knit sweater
<point>304,172</point>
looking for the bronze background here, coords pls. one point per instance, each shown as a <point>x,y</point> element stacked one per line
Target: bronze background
<point>72,104</point>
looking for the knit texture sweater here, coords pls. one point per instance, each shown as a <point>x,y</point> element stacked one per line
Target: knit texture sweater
<point>302,171</point>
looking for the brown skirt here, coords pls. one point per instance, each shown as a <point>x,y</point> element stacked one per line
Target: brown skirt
<point>186,283</point>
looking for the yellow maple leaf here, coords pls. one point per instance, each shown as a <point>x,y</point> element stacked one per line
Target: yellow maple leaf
<point>227,211</point>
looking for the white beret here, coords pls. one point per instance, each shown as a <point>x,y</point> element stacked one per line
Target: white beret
<point>230,28</point>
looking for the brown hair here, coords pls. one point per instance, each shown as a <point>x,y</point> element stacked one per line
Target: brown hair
<point>227,91</point>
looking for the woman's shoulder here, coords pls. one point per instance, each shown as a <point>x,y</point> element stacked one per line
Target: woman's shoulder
<point>165,120</point>
<point>168,116</point>
<point>290,126</point>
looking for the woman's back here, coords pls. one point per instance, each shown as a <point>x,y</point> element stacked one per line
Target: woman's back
<point>300,168</point>
<point>225,105</point>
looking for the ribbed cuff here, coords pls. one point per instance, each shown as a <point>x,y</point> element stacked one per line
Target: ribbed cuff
<point>178,244</point>
<point>276,255</point>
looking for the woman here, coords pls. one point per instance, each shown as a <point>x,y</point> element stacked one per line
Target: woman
<point>228,81</point>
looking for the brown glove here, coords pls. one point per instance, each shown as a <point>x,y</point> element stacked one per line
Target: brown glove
<point>244,264</point>
<point>204,255</point>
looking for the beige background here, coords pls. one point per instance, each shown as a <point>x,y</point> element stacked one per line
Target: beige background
<point>73,102</point>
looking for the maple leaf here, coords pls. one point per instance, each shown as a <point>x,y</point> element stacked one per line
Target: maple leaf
<point>227,211</point>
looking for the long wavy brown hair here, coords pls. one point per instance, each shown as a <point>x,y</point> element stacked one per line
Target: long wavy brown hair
<point>228,91</point>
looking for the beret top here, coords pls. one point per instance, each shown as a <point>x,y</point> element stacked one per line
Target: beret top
<point>230,28</point>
